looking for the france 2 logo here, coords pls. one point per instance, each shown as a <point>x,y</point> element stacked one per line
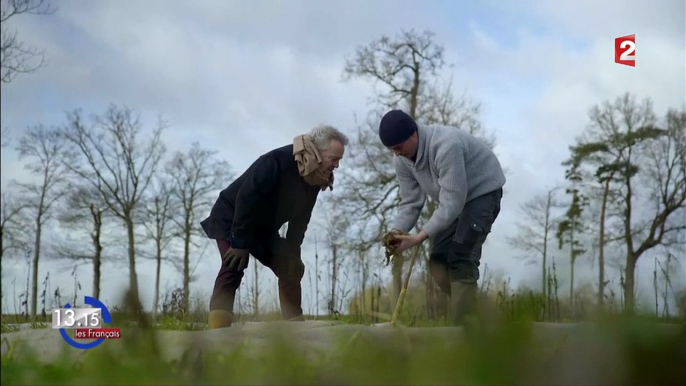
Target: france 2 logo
<point>625,50</point>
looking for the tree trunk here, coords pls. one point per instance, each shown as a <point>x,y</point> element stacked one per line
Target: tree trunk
<point>572,257</point>
<point>430,304</point>
<point>378,302</point>
<point>546,231</point>
<point>2,251</point>
<point>363,271</point>
<point>316,277</point>
<point>97,258</point>
<point>158,268</point>
<point>601,248</point>
<point>133,277</point>
<point>34,274</point>
<point>630,257</point>
<point>334,278</point>
<point>397,271</point>
<point>256,293</point>
<point>544,281</point>
<point>629,279</point>
<point>186,268</point>
<point>28,281</point>
<point>97,262</point>
<point>657,314</point>
<point>571,285</point>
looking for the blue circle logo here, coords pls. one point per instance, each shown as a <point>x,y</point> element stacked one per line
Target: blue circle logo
<point>91,301</point>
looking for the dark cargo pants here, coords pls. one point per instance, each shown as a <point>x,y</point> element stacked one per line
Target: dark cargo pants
<point>456,251</point>
<point>288,268</point>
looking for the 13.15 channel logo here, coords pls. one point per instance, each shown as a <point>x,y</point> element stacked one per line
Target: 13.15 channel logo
<point>87,323</point>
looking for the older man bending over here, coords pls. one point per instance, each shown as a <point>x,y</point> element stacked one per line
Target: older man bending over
<point>280,186</point>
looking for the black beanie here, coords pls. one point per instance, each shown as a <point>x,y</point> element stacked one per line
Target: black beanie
<point>396,127</point>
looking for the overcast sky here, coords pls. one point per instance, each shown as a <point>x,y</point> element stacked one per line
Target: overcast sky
<point>243,78</point>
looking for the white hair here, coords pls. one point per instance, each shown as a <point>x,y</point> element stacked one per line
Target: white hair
<point>322,135</point>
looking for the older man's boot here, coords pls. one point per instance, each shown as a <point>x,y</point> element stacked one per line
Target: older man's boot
<point>462,301</point>
<point>220,319</point>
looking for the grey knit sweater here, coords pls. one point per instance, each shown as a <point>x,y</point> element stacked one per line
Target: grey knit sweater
<point>452,167</point>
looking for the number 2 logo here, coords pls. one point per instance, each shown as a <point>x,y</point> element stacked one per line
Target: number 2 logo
<point>625,50</point>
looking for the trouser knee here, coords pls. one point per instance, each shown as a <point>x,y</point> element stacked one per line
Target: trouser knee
<point>297,270</point>
<point>287,265</point>
<point>225,286</point>
<point>292,270</point>
<point>464,261</point>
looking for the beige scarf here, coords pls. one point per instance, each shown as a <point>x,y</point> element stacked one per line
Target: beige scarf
<point>309,162</point>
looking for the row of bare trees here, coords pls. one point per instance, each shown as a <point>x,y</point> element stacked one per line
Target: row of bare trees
<point>626,191</point>
<point>105,180</point>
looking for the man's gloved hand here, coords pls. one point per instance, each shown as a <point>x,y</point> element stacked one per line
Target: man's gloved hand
<point>389,242</point>
<point>237,259</point>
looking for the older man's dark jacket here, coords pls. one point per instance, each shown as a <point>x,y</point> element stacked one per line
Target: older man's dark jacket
<point>252,209</point>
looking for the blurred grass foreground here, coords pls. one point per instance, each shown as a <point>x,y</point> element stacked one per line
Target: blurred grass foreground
<point>610,350</point>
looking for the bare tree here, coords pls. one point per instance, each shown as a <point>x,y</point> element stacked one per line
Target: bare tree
<point>317,298</point>
<point>10,231</point>
<point>666,173</point>
<point>337,227</point>
<point>15,56</point>
<point>569,231</point>
<point>400,64</point>
<point>194,176</point>
<point>255,291</point>
<point>600,180</point>
<point>85,210</point>
<point>46,149</point>
<point>118,163</point>
<point>535,230</point>
<point>157,214</point>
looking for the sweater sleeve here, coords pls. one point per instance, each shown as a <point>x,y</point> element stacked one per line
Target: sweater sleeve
<point>452,182</point>
<point>263,178</point>
<point>412,199</point>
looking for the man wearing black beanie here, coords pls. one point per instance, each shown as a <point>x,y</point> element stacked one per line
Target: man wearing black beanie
<point>465,177</point>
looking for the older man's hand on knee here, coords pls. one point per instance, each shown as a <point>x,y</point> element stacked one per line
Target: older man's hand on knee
<point>237,259</point>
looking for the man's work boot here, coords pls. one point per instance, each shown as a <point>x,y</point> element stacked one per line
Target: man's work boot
<point>220,319</point>
<point>462,301</point>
